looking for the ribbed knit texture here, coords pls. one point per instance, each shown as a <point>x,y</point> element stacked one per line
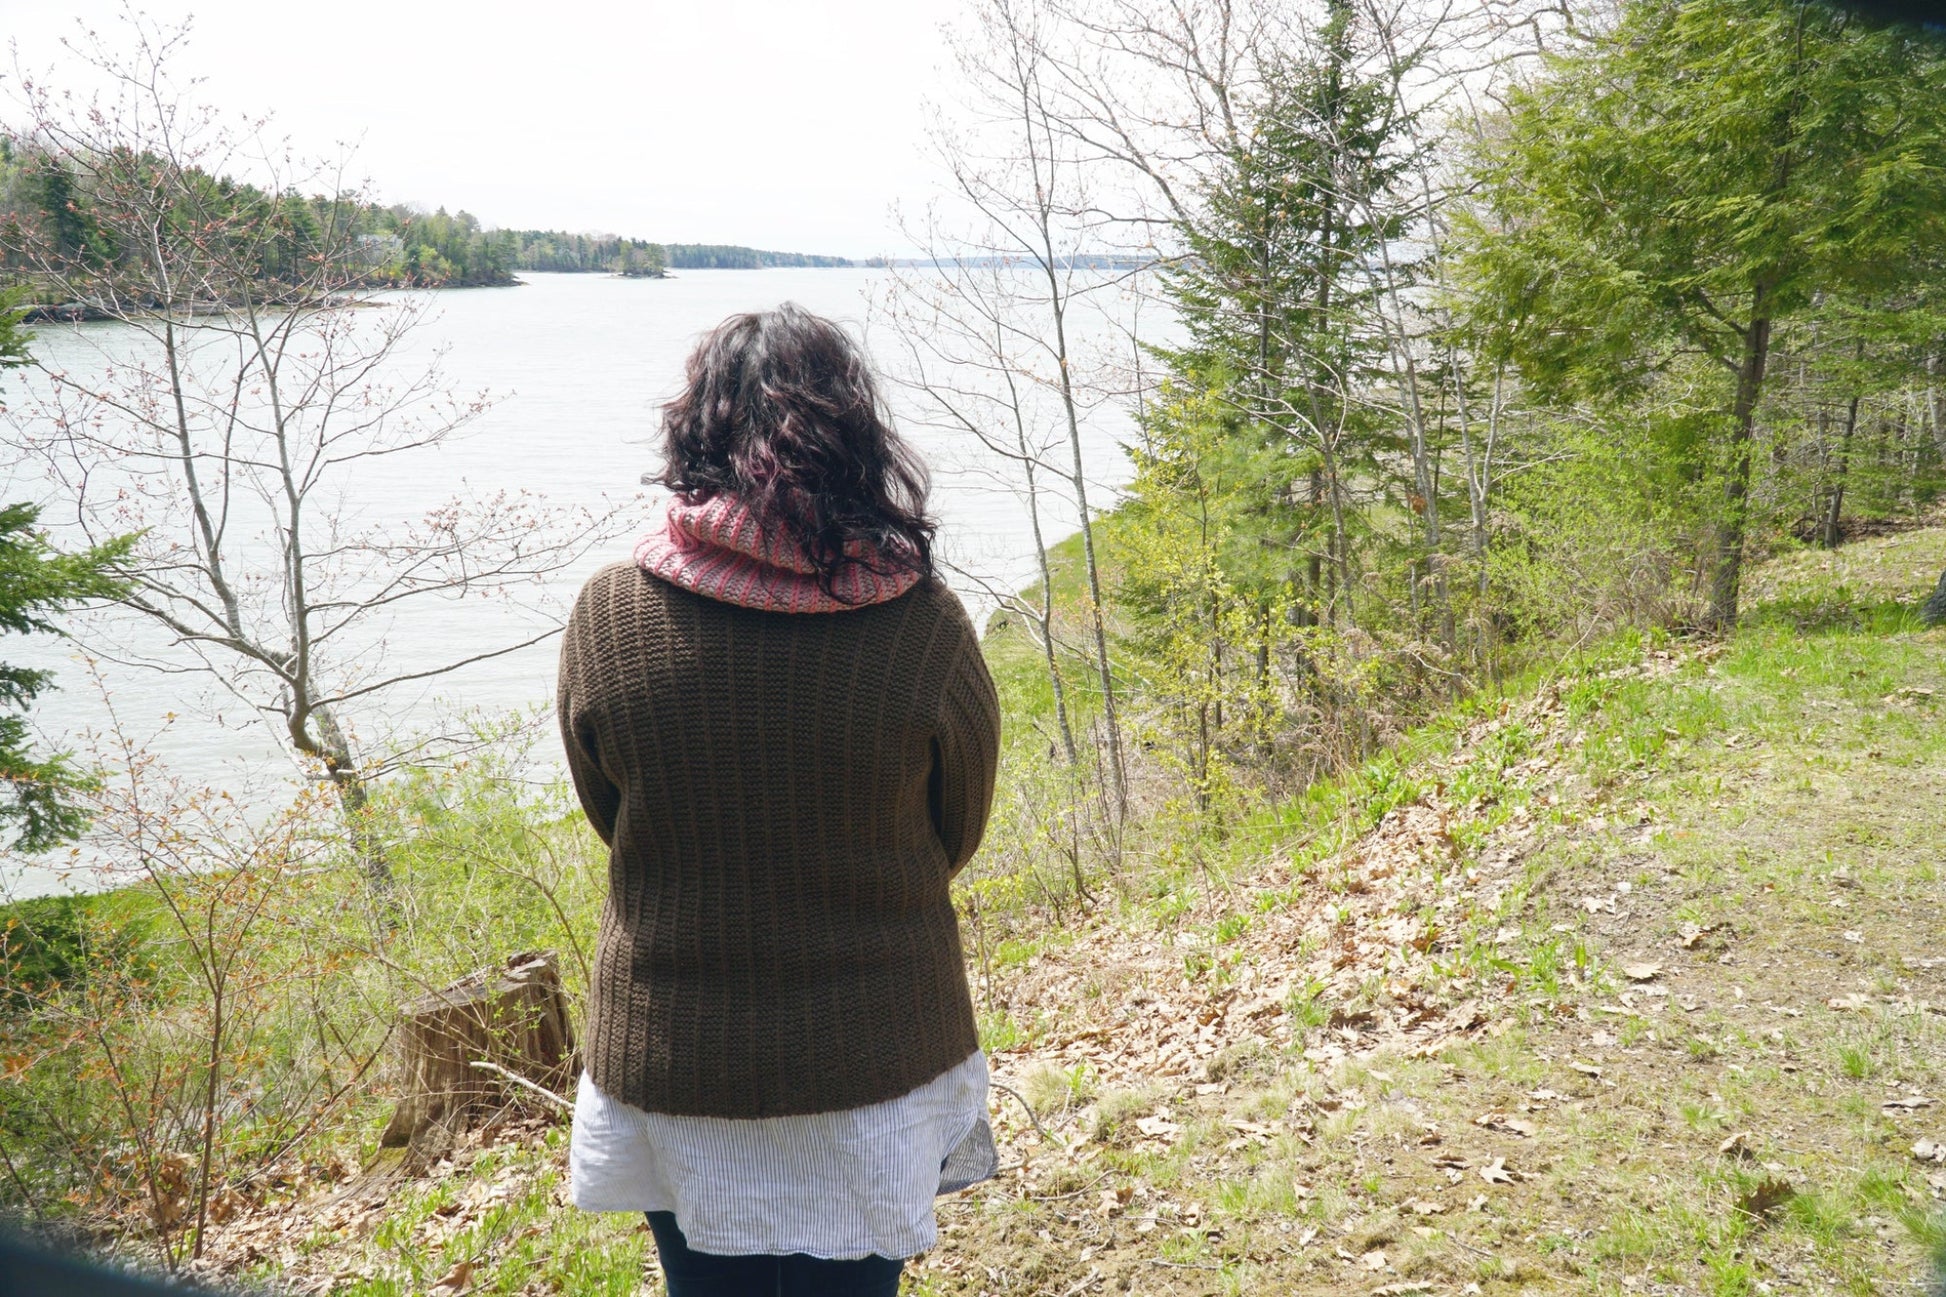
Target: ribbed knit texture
<point>785,799</point>
<point>722,549</point>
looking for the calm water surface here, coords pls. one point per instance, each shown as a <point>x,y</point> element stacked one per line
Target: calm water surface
<point>578,365</point>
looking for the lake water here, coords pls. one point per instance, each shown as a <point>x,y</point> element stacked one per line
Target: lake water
<point>578,365</point>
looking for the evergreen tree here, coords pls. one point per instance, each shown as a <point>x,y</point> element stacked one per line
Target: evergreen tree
<point>36,805</point>
<point>1274,297</point>
<point>1237,537</point>
<point>72,226</point>
<point>1707,171</point>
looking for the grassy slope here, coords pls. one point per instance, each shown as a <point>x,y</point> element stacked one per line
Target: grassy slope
<point>1761,823</point>
<point>1544,1005</point>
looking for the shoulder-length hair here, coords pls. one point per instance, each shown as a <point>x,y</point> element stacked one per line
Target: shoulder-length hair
<point>780,412</point>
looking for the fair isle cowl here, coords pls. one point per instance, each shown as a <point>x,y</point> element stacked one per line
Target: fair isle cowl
<point>722,550</point>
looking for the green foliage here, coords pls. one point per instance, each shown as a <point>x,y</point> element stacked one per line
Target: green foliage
<point>1668,198</point>
<point>49,942</point>
<point>1276,296</point>
<point>1602,533</point>
<point>438,250</point>
<point>221,1019</point>
<point>36,582</point>
<point>285,237</point>
<point>13,338</point>
<point>86,225</point>
<point>1267,512</point>
<point>1705,165</point>
<point>1208,586</point>
<point>721,256</point>
<point>558,252</point>
<point>50,186</point>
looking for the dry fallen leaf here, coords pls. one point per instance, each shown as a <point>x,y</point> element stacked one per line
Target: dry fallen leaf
<point>1496,1172</point>
<point>1927,1150</point>
<point>456,1278</point>
<point>1853,1003</point>
<point>1911,1103</point>
<point>1642,972</point>
<point>1374,1260</point>
<point>1768,1195</point>
<point>1737,1144</point>
<point>1501,1121</point>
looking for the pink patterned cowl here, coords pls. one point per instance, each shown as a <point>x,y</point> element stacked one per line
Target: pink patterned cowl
<point>722,550</point>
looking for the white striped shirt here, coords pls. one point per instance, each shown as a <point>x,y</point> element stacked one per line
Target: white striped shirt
<point>840,1185</point>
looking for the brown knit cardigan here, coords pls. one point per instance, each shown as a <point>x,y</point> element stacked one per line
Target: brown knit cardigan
<point>785,799</point>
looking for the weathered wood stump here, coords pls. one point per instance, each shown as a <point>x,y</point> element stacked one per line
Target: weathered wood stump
<point>463,1046</point>
<point>1933,611</point>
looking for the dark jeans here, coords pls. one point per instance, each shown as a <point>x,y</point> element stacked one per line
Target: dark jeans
<point>704,1274</point>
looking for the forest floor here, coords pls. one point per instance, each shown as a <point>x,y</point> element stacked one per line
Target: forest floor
<point>1637,985</point>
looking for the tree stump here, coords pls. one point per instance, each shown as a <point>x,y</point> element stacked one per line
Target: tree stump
<point>1933,611</point>
<point>512,1017</point>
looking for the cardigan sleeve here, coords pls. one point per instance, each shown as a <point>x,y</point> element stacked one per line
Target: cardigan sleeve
<point>600,798</point>
<point>966,754</point>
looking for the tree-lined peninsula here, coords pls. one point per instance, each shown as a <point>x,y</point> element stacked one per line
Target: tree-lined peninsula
<point>401,245</point>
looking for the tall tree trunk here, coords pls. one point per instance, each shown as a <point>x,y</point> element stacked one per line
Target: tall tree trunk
<point>1834,509</point>
<point>1313,613</point>
<point>1054,680</point>
<point>1728,578</point>
<point>1341,540</point>
<point>1096,604</point>
<point>1932,404</point>
<point>331,747</point>
<point>1479,467</point>
<point>1047,591</point>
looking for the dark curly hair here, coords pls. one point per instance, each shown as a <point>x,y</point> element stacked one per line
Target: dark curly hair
<point>780,412</point>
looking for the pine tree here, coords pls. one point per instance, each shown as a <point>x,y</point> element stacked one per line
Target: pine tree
<point>36,791</point>
<point>1274,296</point>
<point>1236,540</point>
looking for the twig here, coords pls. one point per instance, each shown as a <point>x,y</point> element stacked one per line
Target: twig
<point>1046,1134</point>
<point>26,1196</point>
<point>1072,1193</point>
<point>1082,1285</point>
<point>1184,1265</point>
<point>481,1065</point>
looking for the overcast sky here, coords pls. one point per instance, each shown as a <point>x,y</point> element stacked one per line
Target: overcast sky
<point>787,124</point>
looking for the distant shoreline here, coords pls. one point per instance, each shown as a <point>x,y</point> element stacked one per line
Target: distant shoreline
<point>90,313</point>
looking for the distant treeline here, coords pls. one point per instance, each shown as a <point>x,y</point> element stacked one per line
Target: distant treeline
<point>55,211</point>
<point>723,256</point>
<point>1089,261</point>
<point>61,215</point>
<point>554,250</point>
<point>559,252</point>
